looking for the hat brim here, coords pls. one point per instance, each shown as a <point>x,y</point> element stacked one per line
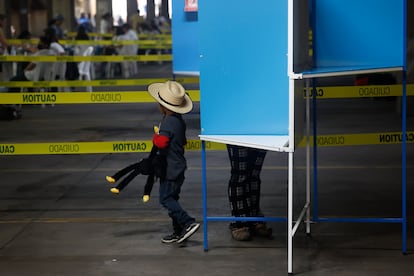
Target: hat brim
<point>185,107</point>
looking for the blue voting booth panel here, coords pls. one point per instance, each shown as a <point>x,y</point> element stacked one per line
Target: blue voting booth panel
<point>186,53</point>
<point>358,34</point>
<point>366,36</point>
<point>244,84</point>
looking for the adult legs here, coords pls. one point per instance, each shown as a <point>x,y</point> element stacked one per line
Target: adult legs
<point>244,188</point>
<point>255,161</point>
<point>244,183</point>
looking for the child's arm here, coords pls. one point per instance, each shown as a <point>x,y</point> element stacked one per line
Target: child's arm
<point>159,140</point>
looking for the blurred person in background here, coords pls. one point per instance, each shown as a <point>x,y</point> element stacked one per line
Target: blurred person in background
<point>85,22</point>
<point>105,25</point>
<point>56,24</point>
<point>3,42</point>
<point>105,30</point>
<point>136,20</point>
<point>29,72</point>
<point>81,35</point>
<point>59,50</point>
<point>129,68</point>
<point>4,48</point>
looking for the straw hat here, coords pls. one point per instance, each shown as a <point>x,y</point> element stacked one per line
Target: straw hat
<point>172,95</point>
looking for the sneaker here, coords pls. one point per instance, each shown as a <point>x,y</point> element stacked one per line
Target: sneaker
<point>241,234</point>
<point>188,232</point>
<point>170,238</point>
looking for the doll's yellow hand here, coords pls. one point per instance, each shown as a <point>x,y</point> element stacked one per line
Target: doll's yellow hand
<point>156,130</point>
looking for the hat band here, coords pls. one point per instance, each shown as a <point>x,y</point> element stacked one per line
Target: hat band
<point>167,101</point>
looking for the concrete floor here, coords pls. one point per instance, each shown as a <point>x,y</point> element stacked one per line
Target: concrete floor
<point>57,216</point>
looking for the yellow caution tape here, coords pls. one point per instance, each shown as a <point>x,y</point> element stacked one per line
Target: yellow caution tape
<point>87,97</point>
<point>73,34</point>
<point>386,138</point>
<point>83,97</point>
<point>96,83</point>
<point>114,58</point>
<point>143,44</point>
<point>368,91</point>
<point>389,138</point>
<point>75,148</point>
<point>109,35</point>
<point>92,147</point>
<point>195,145</point>
<point>106,97</point>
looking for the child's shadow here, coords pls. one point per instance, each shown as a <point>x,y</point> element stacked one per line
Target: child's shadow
<point>135,232</point>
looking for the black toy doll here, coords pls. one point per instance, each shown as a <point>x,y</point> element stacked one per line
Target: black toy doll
<point>152,166</point>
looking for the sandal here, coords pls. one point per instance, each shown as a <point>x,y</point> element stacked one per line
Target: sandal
<point>261,230</point>
<point>241,234</point>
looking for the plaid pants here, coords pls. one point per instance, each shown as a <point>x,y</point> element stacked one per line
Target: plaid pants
<point>244,184</point>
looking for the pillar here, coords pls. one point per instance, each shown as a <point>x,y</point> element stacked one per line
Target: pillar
<point>23,14</point>
<point>150,10</point>
<point>132,7</point>
<point>3,7</point>
<point>102,7</point>
<point>164,9</point>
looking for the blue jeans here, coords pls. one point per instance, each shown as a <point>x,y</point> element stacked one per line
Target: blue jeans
<point>169,196</point>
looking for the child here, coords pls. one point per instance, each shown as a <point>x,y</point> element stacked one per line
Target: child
<point>171,139</point>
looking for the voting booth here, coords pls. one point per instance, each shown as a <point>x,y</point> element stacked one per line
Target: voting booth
<point>361,37</point>
<point>185,41</point>
<point>246,95</point>
<point>254,64</point>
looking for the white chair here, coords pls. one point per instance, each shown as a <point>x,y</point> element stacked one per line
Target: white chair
<point>129,68</point>
<point>84,68</point>
<point>60,66</point>
<point>45,71</point>
<point>60,73</point>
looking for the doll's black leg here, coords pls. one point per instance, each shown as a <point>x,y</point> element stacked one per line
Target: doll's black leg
<point>128,179</point>
<point>125,170</point>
